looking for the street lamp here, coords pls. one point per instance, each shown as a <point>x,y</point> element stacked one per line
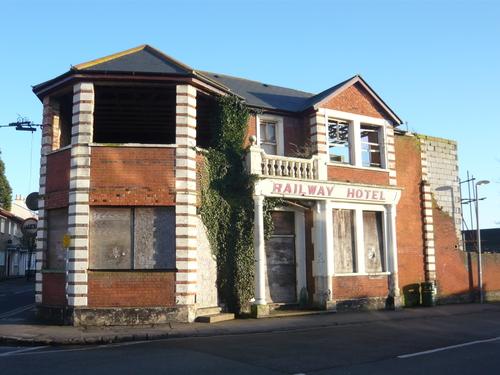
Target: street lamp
<point>479,261</point>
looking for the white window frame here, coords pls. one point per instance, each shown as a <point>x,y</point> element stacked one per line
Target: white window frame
<point>359,240</point>
<point>3,223</point>
<point>355,122</point>
<point>280,145</point>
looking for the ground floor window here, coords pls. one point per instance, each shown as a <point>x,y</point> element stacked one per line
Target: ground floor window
<point>358,241</point>
<point>132,238</point>
<point>57,220</point>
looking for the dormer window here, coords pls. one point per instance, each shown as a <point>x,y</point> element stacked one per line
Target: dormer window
<point>270,134</point>
<point>338,141</point>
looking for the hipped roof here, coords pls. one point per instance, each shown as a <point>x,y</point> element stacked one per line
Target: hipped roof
<point>146,60</point>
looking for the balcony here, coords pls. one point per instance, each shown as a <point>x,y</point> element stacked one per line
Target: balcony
<point>261,164</point>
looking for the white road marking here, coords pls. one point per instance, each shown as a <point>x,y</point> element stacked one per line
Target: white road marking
<point>24,350</point>
<point>16,311</point>
<point>86,348</point>
<point>448,348</point>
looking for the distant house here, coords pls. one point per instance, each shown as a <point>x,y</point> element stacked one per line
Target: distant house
<point>12,256</point>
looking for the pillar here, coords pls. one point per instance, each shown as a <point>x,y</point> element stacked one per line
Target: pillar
<point>79,186</point>
<point>185,206</point>
<point>260,251</point>
<point>393,255</point>
<point>49,117</point>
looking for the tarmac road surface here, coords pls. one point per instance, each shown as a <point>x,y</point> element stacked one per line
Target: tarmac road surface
<point>460,344</point>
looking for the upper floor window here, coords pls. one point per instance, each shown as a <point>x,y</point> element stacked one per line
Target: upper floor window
<point>339,146</point>
<point>370,146</point>
<point>270,134</point>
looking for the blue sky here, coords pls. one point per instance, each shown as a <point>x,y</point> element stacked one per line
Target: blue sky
<point>436,63</point>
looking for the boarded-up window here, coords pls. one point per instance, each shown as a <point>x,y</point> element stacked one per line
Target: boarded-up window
<point>57,227</point>
<point>111,238</point>
<point>344,241</point>
<point>373,238</point>
<point>132,238</point>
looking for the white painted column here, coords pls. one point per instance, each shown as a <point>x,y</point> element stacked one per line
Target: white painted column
<point>392,252</point>
<point>323,256</point>
<point>260,251</point>
<point>300,251</point>
<point>355,143</point>
<point>79,188</point>
<point>186,221</point>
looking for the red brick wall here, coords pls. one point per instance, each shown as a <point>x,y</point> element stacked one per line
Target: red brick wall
<point>54,289</point>
<point>132,176</point>
<point>57,185</point>
<point>356,99</point>
<point>457,270</point>
<point>295,132</point>
<point>347,287</point>
<point>347,174</point>
<point>131,289</point>
<point>409,227</point>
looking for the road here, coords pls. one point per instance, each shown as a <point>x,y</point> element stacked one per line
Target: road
<point>456,344</point>
<point>17,299</point>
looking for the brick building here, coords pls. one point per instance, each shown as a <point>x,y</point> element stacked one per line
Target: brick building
<point>119,179</point>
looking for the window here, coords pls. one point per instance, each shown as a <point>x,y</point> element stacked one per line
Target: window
<point>132,238</point>
<point>57,227</point>
<point>373,238</point>
<point>270,134</point>
<point>135,114</point>
<point>344,241</point>
<point>2,225</point>
<point>268,137</point>
<point>358,241</point>
<point>338,141</point>
<point>370,146</point>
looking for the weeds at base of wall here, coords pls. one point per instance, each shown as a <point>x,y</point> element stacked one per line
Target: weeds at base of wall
<point>227,205</point>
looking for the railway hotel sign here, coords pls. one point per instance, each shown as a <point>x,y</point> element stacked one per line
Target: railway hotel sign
<point>330,191</point>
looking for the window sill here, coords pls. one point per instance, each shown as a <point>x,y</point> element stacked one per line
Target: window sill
<point>375,274</point>
<point>134,270</point>
<point>48,270</point>
<point>145,145</point>
<point>374,169</point>
<point>59,150</point>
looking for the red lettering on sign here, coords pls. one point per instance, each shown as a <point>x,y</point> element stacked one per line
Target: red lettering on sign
<point>277,188</point>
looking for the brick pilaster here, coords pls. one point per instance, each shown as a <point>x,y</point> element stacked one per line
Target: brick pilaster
<point>427,218</point>
<point>79,185</point>
<point>41,239</point>
<point>185,185</point>
<point>391,155</point>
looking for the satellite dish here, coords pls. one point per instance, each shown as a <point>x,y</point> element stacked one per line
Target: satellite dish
<point>32,201</point>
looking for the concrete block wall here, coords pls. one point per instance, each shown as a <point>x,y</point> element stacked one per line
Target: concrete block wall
<point>442,175</point>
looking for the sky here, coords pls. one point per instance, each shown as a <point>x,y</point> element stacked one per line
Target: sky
<point>436,63</point>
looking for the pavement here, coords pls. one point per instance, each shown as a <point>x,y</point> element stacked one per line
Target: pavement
<point>30,333</point>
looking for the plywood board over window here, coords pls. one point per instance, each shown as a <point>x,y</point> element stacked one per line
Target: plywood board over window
<point>373,238</point>
<point>140,238</point>
<point>57,228</point>
<point>344,241</point>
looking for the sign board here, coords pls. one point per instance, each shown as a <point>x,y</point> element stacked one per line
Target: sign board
<point>66,241</point>
<point>32,201</point>
<point>29,227</point>
<point>327,191</point>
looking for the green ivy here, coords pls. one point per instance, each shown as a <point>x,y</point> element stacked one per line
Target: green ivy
<point>227,204</point>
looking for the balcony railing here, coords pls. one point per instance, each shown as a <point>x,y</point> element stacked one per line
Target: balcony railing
<point>262,164</point>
